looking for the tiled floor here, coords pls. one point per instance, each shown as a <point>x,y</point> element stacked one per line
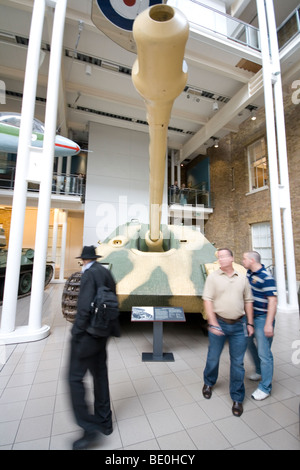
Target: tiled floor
<point>155,405</point>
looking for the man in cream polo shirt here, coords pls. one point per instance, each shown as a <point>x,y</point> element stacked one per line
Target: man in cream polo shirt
<point>228,304</point>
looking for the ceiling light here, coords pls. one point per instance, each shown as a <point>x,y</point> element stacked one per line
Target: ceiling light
<point>215,106</point>
<point>216,142</point>
<point>109,66</point>
<point>88,70</point>
<point>253,115</point>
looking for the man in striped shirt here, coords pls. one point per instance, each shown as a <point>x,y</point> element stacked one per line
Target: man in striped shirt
<point>264,307</point>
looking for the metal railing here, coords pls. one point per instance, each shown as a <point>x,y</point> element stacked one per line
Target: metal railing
<point>289,29</point>
<point>190,196</point>
<point>63,184</point>
<point>224,25</point>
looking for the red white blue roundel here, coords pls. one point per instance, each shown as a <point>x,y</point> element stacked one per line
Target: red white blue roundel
<point>122,13</point>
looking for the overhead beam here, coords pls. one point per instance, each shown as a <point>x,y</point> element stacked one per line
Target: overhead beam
<point>228,71</point>
<point>242,99</point>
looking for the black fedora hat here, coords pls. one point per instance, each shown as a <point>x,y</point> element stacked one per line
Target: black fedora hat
<point>88,252</point>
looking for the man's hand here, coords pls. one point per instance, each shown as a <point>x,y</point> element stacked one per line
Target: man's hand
<point>216,330</point>
<point>269,330</point>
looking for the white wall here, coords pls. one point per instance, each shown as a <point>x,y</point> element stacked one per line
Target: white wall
<point>117,181</point>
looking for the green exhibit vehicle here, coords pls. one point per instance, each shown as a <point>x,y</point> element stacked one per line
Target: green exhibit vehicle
<point>26,268</point>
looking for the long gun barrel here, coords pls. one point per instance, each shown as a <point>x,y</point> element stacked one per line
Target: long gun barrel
<point>159,75</point>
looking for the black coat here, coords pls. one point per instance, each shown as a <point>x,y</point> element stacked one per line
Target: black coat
<point>94,277</point>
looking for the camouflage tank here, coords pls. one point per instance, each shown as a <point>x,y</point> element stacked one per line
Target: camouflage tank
<point>27,257</point>
<point>155,264</point>
<point>172,277</point>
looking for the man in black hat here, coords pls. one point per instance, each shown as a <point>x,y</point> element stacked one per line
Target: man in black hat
<point>89,353</point>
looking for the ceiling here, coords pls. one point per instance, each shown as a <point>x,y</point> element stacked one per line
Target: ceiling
<point>96,80</point>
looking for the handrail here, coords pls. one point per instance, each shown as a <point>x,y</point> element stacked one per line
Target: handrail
<point>235,29</point>
<point>296,10</point>
<point>245,33</point>
<point>289,28</point>
<point>62,183</point>
<point>189,196</point>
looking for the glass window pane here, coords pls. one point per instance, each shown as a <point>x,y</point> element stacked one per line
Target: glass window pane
<point>261,242</point>
<point>258,165</point>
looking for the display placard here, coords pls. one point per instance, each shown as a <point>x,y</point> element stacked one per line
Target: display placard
<point>161,314</point>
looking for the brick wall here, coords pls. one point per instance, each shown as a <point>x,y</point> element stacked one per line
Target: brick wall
<point>235,210</point>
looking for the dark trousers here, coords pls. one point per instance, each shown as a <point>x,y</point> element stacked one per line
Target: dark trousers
<point>88,353</point>
<point>237,337</point>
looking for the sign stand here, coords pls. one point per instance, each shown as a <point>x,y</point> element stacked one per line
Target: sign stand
<point>157,315</point>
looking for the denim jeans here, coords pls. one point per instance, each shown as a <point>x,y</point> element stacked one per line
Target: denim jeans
<point>261,353</point>
<point>237,337</point>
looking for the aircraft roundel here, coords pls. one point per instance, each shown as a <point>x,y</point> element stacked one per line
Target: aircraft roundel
<point>122,13</point>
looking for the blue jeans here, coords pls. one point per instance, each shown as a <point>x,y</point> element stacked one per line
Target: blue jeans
<point>261,353</point>
<point>237,337</point>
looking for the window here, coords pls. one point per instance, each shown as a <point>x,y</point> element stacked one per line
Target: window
<point>261,242</point>
<point>258,165</point>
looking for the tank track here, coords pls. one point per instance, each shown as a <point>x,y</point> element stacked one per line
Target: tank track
<point>70,296</point>
<point>48,277</point>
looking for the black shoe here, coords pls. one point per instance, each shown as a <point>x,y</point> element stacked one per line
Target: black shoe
<point>87,440</point>
<point>106,431</point>
<point>207,391</point>
<point>237,409</point>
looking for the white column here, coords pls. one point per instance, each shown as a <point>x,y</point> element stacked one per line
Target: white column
<point>20,189</point>
<point>68,173</point>
<point>172,167</point>
<point>280,197</point>
<point>63,221</point>
<point>179,168</point>
<point>41,241</point>
<point>54,238</point>
<point>59,178</point>
<point>283,163</point>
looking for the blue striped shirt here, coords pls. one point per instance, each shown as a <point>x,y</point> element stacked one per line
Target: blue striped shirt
<point>263,286</point>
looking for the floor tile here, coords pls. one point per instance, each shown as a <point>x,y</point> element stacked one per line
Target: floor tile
<point>208,437</point>
<point>155,406</point>
<point>235,430</point>
<point>164,422</point>
<point>176,441</point>
<point>282,440</point>
<point>135,430</point>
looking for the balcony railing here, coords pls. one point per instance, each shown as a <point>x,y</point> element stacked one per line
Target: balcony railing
<point>190,196</point>
<point>221,24</point>
<point>202,16</point>
<point>63,184</point>
<point>289,29</point>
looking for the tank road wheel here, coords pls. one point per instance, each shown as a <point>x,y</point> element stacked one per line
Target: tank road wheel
<point>70,296</point>
<point>48,274</point>
<point>25,283</point>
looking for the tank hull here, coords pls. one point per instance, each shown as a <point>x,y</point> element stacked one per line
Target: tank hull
<point>26,268</point>
<point>173,277</point>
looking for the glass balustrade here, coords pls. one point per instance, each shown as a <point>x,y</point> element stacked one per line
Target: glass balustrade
<point>62,184</point>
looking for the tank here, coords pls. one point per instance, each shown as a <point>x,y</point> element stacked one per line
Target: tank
<point>155,264</point>
<point>173,276</point>
<point>27,258</point>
